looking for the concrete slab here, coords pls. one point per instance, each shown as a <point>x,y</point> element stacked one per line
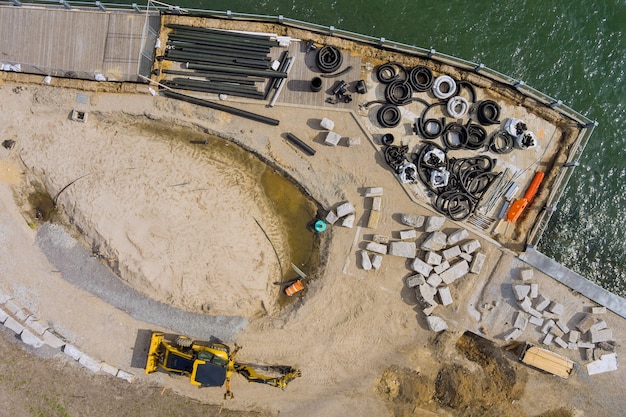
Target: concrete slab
<point>521,291</point>
<point>601,335</point>
<point>526,274</point>
<point>348,221</point>
<point>3,315</point>
<point>36,325</point>
<point>561,325</point>
<point>598,310</point>
<point>441,267</point>
<point>512,334</point>
<point>520,320</point>
<point>433,280</point>
<point>331,217</point>
<point>373,219</point>
<point>381,239</point>
<point>467,257</point>
<point>402,249</point>
<point>354,141</point>
<point>537,321</point>
<point>327,124</point>
<point>585,323</point>
<point>607,363</point>
<point>53,340</point>
<point>547,339</point>
<point>332,139</point>
<point>376,248</point>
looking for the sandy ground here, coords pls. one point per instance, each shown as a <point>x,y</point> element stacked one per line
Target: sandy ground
<point>356,336</point>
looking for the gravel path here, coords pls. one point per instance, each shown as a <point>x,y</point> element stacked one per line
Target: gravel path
<point>78,267</point>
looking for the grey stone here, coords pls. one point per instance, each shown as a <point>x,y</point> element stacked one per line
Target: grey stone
<point>433,280</point>
<point>436,324</point>
<point>348,221</point>
<point>436,241</point>
<point>332,138</point>
<point>520,321</point>
<point>598,310</point>
<point>588,354</point>
<point>377,261</point>
<point>560,342</point>
<point>36,325</point>
<point>108,369</point>
<point>541,302</point>
<point>415,280</point>
<point>444,295</point>
<point>14,325</point>
<point>521,291</point>
<point>561,325</point>
<point>426,295</point>
<point>413,220</point>
<point>377,203</point>
<point>455,272</point>
<point>525,304</point>
<point>72,351</point>
<point>442,267</point>
<point>452,252</point>
<point>604,335</point>
<point>408,234</point>
<point>402,249</point>
<point>429,310</point>
<point>331,217</point>
<point>547,326</point>
<point>381,239</point>
<point>376,248</point>
<point>471,246</point>
<point>572,346</point>
<point>527,274</point>
<point>534,291</point>
<point>422,267</point>
<point>354,141</point>
<point>366,263</point>
<point>534,313</point>
<point>457,236</point>
<point>478,262</point>
<point>585,323</point>
<point>573,336</point>
<point>327,124</point>
<point>556,308</point>
<point>607,346</point>
<point>586,345</point>
<point>432,258</point>
<point>374,192</point>
<point>547,339</point>
<point>512,334</point>
<point>598,326</point>
<point>125,376</point>
<point>3,315</point>
<point>556,331</point>
<point>467,257</point>
<point>537,321</point>
<point>30,339</point>
<point>89,363</point>
<point>434,223</point>
<point>52,340</point>
<point>344,209</point>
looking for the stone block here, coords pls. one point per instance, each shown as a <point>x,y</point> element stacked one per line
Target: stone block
<point>433,280</point>
<point>555,330</point>
<point>534,313</point>
<point>547,339</point>
<point>520,321</point>
<point>526,274</point>
<point>373,219</point>
<point>598,310</point>
<point>331,217</point>
<point>364,257</point>
<point>421,267</point>
<point>436,323</point>
<point>125,376</point>
<point>408,234</point>
<point>572,346</point>
<point>327,124</point>
<point>344,209</point>
<point>426,295</point>
<point>521,291</point>
<point>537,321</point>
<point>606,363</point>
<point>52,340</point>
<point>455,272</point>
<point>471,246</point>
<point>348,221</point>
<point>89,363</point>
<point>604,335</point>
<point>573,336</point>
<point>415,280</point>
<point>31,339</point>
<point>547,326</point>
<point>467,257</point>
<point>541,302</point>
<point>332,138</point>
<point>512,334</point>
<point>556,308</point>
<point>436,241</point>
<point>434,223</point>
<point>429,310</point>
<point>585,323</point>
<point>377,203</point>
<point>534,291</point>
<point>444,295</point>
<point>413,220</point>
<point>586,345</point>
<point>561,325</point>
<point>457,236</point>
<point>3,315</point>
<point>402,249</point>
<point>587,354</point>
<point>478,262</point>
<point>377,261</point>
<point>376,247</point>
<point>108,369</point>
<point>452,252</point>
<point>14,325</point>
<point>36,325</point>
<point>525,304</point>
<point>598,326</point>
<point>374,192</point>
<point>442,267</point>
<point>352,142</point>
<point>432,258</point>
<point>608,346</point>
<point>72,351</point>
<point>381,239</point>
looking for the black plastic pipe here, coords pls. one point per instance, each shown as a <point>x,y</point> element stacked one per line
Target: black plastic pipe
<point>300,144</point>
<point>246,71</point>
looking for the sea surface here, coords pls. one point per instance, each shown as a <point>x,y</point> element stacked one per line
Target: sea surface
<point>572,50</point>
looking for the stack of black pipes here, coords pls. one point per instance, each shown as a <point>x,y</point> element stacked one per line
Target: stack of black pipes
<point>220,62</point>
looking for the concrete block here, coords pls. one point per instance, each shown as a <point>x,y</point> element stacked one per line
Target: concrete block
<point>535,313</point>
<point>376,247</point>
<point>352,142</point>
<point>108,369</point>
<point>585,323</point>
<point>436,323</point>
<point>434,223</point>
<point>444,295</point>
<point>3,315</point>
<point>598,326</point>
<point>332,138</point>
<point>478,262</point>
<point>555,330</point>
<point>72,351</point>
<point>421,267</point>
<point>556,308</point>
<point>36,325</point>
<point>381,239</point>
<point>402,249</point>
<point>457,236</point>
<point>348,221</point>
<point>452,252</point>
<point>377,203</point>
<point>512,334</point>
<point>4,297</point>
<point>525,304</point>
<point>541,302</point>
<point>89,363</point>
<point>537,321</point>
<point>560,342</point>
<point>441,267</point>
<point>374,192</point>
<point>429,310</point>
<point>327,124</point>
<point>547,339</point>
<point>534,291</point>
<point>587,354</point>
<point>125,376</point>
<point>415,280</point>
<point>521,291</point>
<point>586,345</point>
<point>606,363</point>
<point>408,234</point>
<point>467,257</point>
<point>433,280</point>
<point>364,257</point>
<point>377,261</point>
<point>344,209</point>
<point>561,325</point>
<point>471,246</point>
<point>52,340</point>
<point>598,310</point>
<point>455,272</point>
<point>413,220</point>
<point>331,217</point>
<point>527,274</point>
<point>547,325</point>
<point>14,325</point>
<point>604,335</point>
<point>436,241</point>
<point>426,295</point>
<point>30,339</point>
<point>432,258</point>
<point>572,346</point>
<point>573,336</point>
<point>22,315</point>
<point>373,219</point>
<point>520,320</point>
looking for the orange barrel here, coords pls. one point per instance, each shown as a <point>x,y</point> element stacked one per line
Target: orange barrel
<point>534,186</point>
<point>294,288</point>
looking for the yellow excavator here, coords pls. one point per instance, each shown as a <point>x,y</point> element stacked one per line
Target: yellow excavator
<point>209,364</point>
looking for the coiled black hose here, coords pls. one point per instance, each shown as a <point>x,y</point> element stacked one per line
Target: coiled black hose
<point>469,87</point>
<point>488,113</point>
<point>456,130</point>
<point>421,78</point>
<point>476,136</point>
<point>389,72</point>
<point>429,128</point>
<point>398,92</point>
<point>501,142</point>
<point>329,59</point>
<point>389,116</point>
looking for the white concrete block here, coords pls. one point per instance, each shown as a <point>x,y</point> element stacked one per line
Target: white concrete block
<point>556,308</point>
<point>452,252</point>
<point>585,323</point>
<point>125,376</point>
<point>436,241</point>
<point>402,249</point>
<point>572,346</point>
<point>381,239</point>
<point>3,315</point>
<point>377,261</point>
<point>604,335</point>
<point>457,236</point>
<point>426,295</point>
<point>89,363</point>
<point>434,223</point>
<point>547,326</point>
<point>541,302</point>
<point>376,248</point>
<point>512,334</point>
<point>598,326</point>
<point>354,141</point>
<point>22,315</point>
<point>606,363</point>
<point>520,320</point>
<point>455,272</point>
<point>537,321</point>
<point>534,291</point>
<point>52,340</point>
<point>467,257</point>
<point>348,221</point>
<point>408,234</point>
<point>586,345</point>
<point>72,351</point>
<point>478,262</point>
<point>36,325</point>
<point>471,246</point>
<point>109,369</point>
<point>344,209</point>
<point>30,339</point>
<point>547,339</point>
<point>436,323</point>
<point>444,295</point>
<point>366,263</point>
<point>331,217</point>
<point>433,280</point>
<point>441,267</point>
<point>327,124</point>
<point>432,258</point>
<point>413,220</point>
<point>525,304</point>
<point>521,291</point>
<point>526,274</point>
<point>374,192</point>
<point>332,138</point>
<point>12,324</point>
<point>598,310</point>
<point>377,203</point>
<point>535,313</point>
<point>421,267</point>
<point>415,280</point>
<point>562,325</point>
<point>573,336</point>
<point>560,342</point>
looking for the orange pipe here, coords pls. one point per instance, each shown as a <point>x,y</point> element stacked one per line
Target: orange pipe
<point>534,186</point>
<point>518,206</point>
